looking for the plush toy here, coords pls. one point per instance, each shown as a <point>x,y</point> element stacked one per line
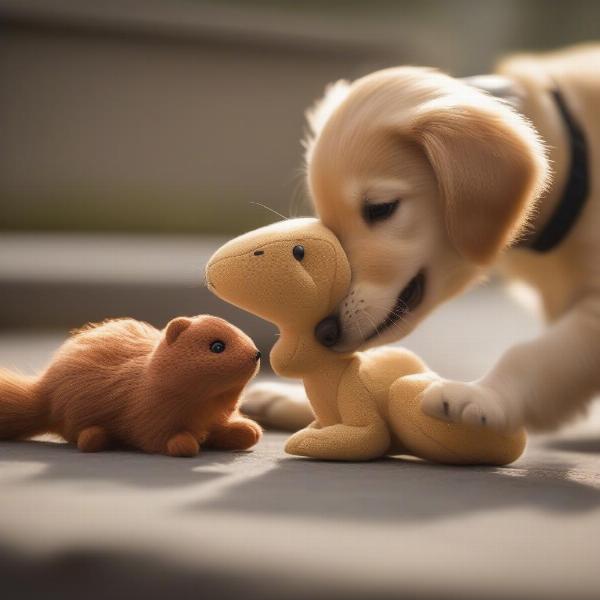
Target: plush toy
<point>125,383</point>
<point>294,273</point>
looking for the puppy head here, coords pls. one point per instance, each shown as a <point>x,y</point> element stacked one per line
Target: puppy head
<point>424,180</point>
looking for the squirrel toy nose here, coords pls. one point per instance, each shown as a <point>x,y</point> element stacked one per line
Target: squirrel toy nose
<point>258,355</point>
<point>328,331</point>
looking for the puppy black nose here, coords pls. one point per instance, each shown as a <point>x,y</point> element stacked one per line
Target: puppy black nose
<point>258,355</point>
<point>328,331</point>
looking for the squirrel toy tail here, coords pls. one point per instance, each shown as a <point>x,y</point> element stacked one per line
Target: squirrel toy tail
<point>22,413</point>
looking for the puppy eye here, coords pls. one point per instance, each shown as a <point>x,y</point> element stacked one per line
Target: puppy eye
<point>373,213</point>
<point>217,346</point>
<point>298,252</point>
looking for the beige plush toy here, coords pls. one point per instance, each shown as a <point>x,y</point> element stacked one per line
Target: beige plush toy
<point>366,404</point>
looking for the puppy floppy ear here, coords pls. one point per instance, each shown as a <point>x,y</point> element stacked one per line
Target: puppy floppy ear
<point>490,167</point>
<point>175,328</point>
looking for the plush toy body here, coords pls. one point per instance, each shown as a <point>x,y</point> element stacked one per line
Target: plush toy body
<point>126,383</point>
<point>366,405</point>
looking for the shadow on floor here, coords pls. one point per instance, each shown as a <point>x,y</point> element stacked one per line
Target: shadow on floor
<point>64,462</point>
<point>402,490</point>
<point>588,445</point>
<point>264,482</point>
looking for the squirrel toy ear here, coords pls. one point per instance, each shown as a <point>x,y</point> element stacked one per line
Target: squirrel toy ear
<point>175,328</point>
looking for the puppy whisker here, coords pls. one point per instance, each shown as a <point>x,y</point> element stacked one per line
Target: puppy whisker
<point>360,331</point>
<point>398,315</point>
<point>370,318</point>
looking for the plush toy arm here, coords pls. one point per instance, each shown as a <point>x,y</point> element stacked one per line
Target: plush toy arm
<point>340,442</point>
<point>362,435</point>
<point>238,433</point>
<point>182,444</point>
<point>93,439</point>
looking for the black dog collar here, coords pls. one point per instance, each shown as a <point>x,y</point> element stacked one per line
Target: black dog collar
<point>576,189</point>
<point>577,186</point>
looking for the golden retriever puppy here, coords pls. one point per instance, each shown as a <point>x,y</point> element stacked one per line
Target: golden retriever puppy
<point>429,181</point>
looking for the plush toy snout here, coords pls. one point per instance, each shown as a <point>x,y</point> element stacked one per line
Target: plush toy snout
<point>289,272</point>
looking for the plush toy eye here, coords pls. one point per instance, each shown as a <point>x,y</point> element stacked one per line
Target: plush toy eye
<point>217,347</point>
<point>298,252</point>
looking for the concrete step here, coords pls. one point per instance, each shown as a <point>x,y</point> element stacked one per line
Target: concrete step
<point>60,281</point>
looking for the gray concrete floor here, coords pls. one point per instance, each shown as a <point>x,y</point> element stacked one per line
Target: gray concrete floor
<point>264,525</point>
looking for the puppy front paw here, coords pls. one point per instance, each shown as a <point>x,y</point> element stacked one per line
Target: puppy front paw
<point>469,403</point>
<point>277,405</point>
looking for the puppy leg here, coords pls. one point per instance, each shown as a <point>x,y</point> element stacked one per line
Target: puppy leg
<point>539,384</point>
<point>278,405</point>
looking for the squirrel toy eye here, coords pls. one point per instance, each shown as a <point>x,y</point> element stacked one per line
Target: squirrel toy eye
<point>298,252</point>
<point>217,346</point>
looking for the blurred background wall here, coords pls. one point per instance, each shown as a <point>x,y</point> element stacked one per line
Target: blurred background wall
<point>175,115</point>
<point>135,134</point>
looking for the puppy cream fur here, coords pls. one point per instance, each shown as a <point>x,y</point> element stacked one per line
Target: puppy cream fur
<point>471,175</point>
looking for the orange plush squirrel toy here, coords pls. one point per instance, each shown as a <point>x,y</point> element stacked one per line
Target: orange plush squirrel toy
<point>126,383</point>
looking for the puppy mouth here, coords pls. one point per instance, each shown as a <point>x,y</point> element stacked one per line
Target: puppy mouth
<point>407,301</point>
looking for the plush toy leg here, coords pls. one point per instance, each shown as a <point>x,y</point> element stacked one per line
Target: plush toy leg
<point>439,441</point>
<point>92,439</point>
<point>238,434</point>
<point>340,442</point>
<point>183,444</point>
